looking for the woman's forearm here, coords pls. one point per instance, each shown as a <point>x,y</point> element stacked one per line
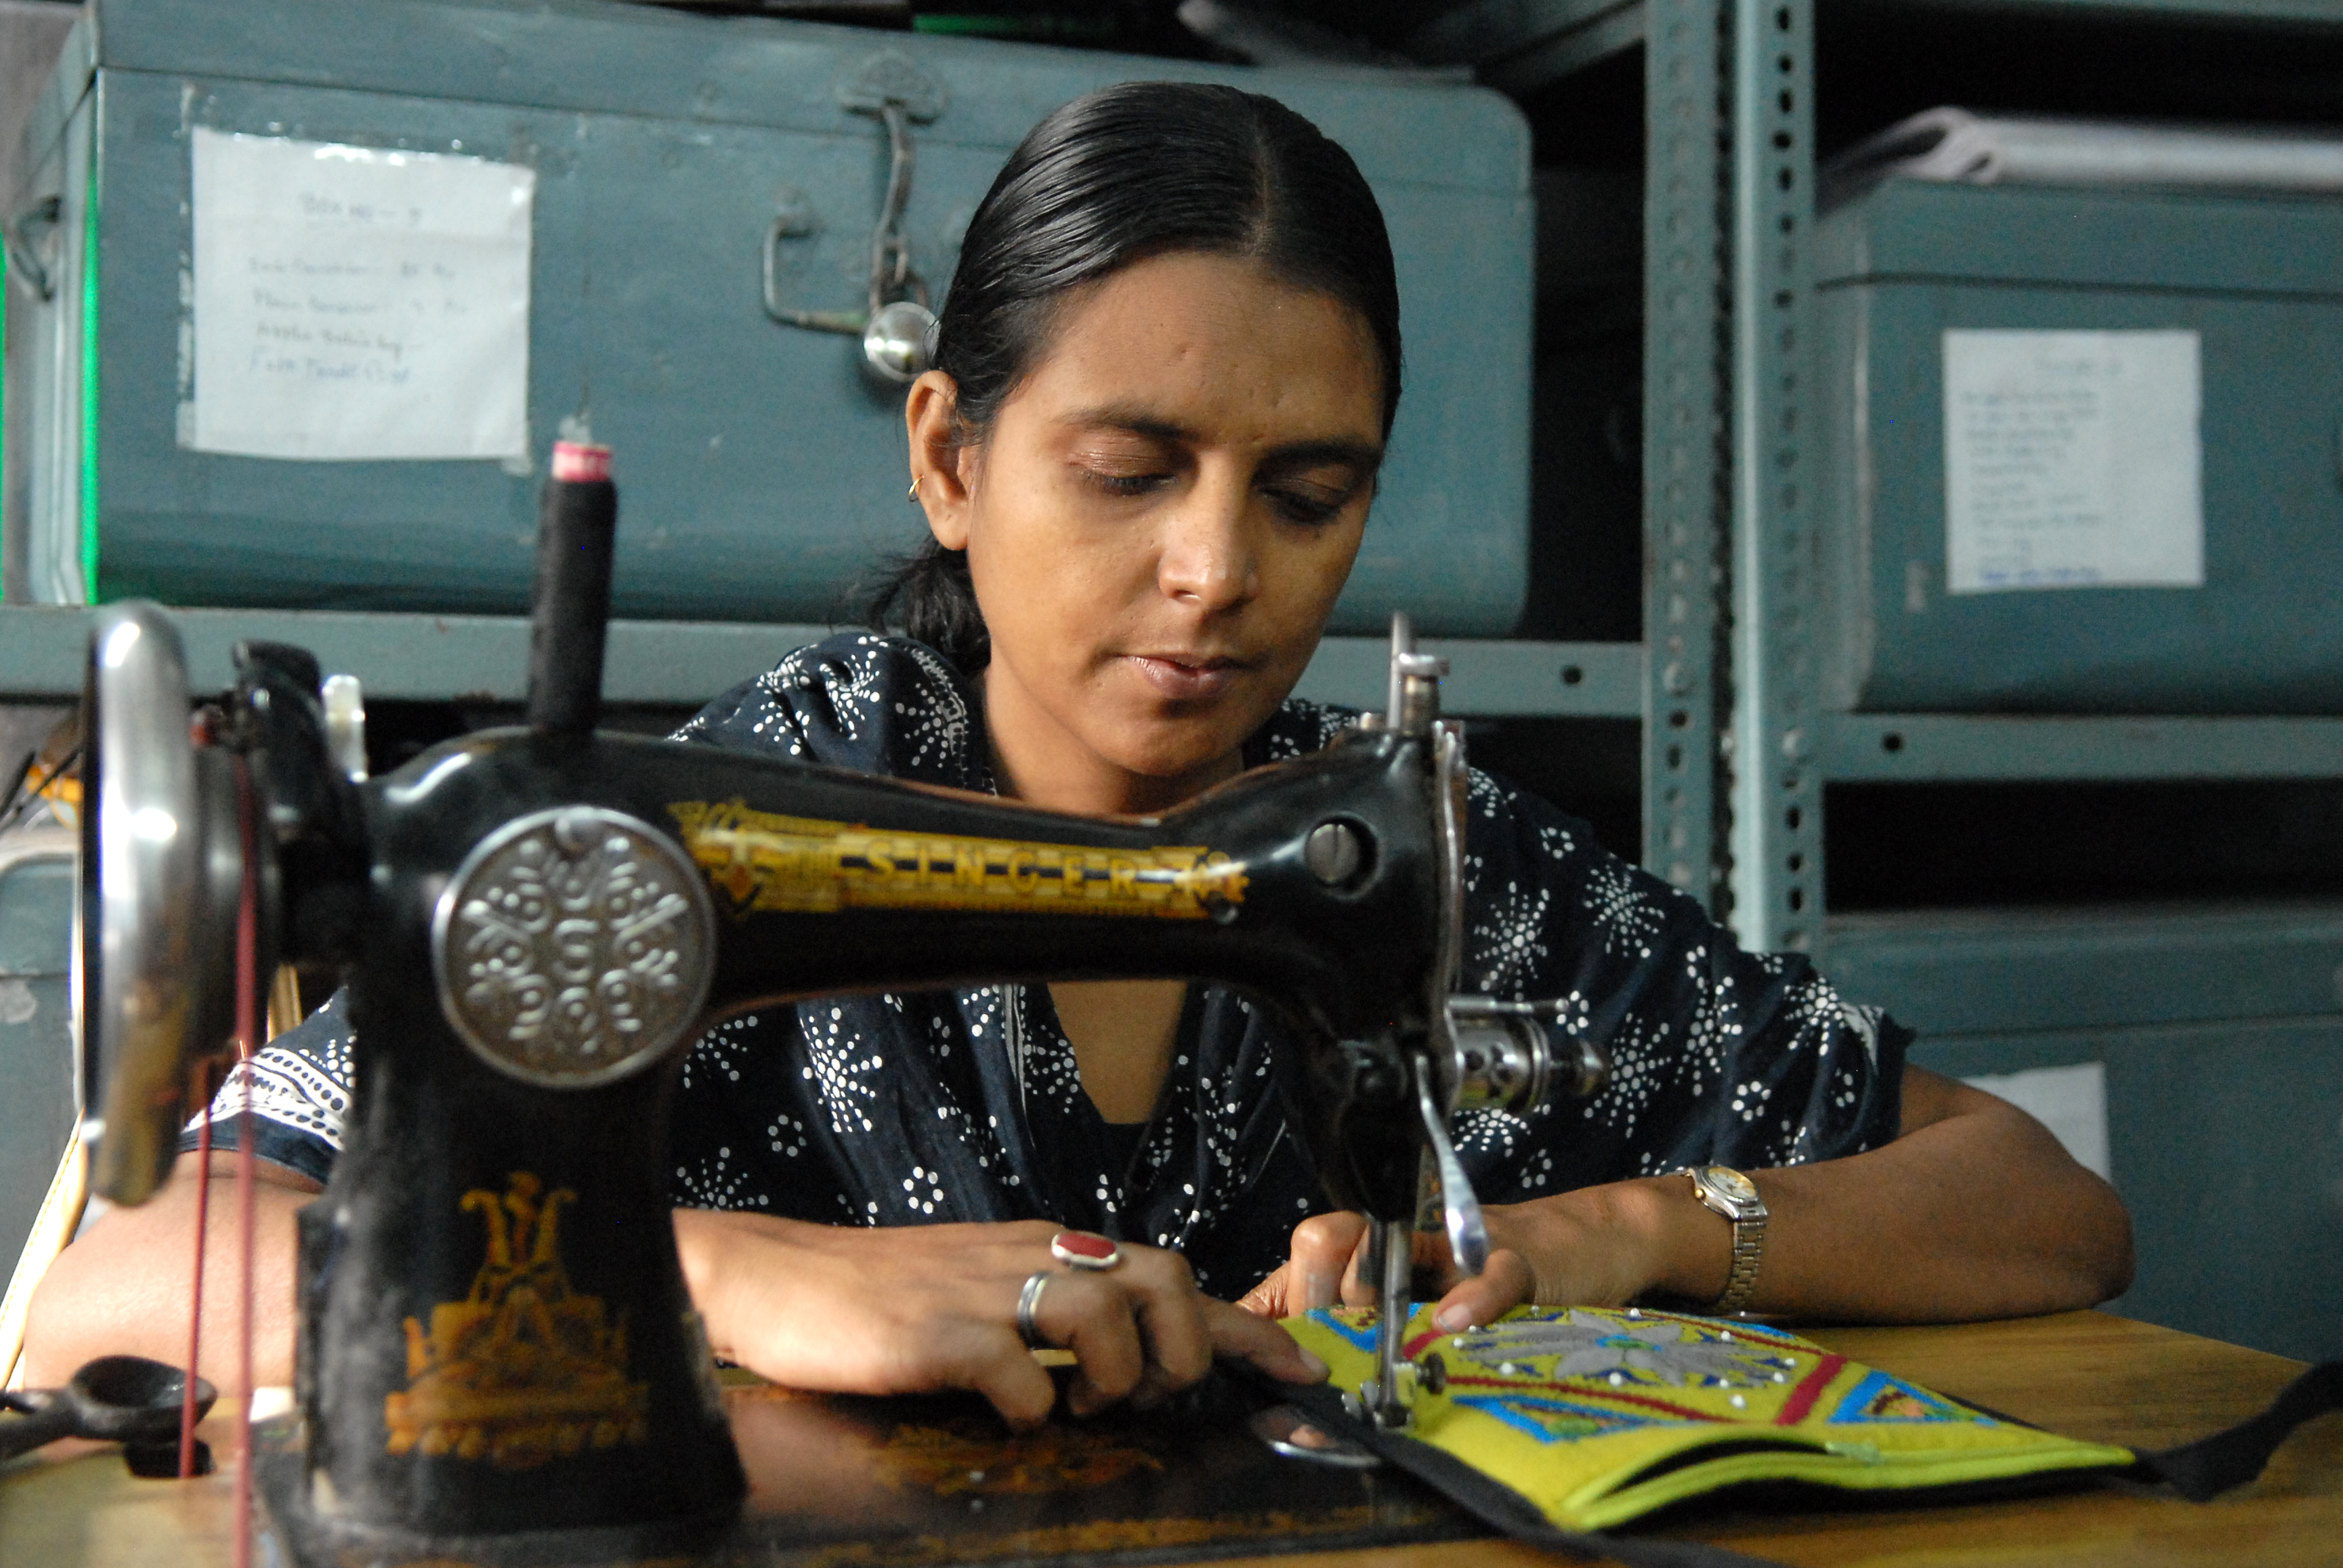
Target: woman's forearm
<point>123,1288</point>
<point>1976,1211</point>
<point>1979,1214</point>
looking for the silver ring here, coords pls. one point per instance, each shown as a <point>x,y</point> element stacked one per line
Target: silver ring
<point>1028,1300</point>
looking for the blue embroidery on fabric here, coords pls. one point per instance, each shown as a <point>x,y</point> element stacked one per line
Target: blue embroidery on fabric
<point>1555,1420</point>
<point>1880,1398</point>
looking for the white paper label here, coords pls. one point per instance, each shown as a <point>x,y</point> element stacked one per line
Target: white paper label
<point>2071,1102</point>
<point>2073,460</point>
<point>352,303</point>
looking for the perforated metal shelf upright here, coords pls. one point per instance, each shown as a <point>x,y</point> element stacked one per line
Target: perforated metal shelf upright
<point>1687,356</point>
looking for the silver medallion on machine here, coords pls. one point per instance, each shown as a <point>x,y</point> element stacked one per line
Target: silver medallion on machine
<point>573,946</point>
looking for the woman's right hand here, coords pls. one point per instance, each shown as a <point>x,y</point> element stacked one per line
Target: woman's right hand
<point>921,1308</point>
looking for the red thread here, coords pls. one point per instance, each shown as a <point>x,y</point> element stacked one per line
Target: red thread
<point>248,1029</point>
<point>1810,1388</point>
<point>199,1089</point>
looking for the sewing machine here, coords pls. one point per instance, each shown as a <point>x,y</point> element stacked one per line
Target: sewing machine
<point>496,1345</point>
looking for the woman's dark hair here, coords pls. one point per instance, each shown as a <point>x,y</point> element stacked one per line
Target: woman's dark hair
<point>1126,172</point>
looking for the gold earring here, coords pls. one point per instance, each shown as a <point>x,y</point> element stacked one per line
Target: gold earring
<point>915,490</point>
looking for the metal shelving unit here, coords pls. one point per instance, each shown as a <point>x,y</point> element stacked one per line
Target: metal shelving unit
<point>1730,550</point>
<point>2218,1025</point>
<point>1736,750</point>
<point>485,660</point>
<point>1788,749</point>
<point>2213,1022</point>
<point>1519,45</point>
<point>1934,748</point>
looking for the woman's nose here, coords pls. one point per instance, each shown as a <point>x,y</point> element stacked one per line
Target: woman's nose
<point>1207,559</point>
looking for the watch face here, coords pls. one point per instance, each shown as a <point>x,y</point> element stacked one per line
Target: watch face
<point>1727,1183</point>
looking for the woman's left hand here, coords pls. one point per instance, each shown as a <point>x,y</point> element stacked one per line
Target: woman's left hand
<point>1973,1212</point>
<point>1592,1247</point>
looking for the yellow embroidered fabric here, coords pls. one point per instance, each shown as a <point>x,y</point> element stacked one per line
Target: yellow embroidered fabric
<point>1598,1415</point>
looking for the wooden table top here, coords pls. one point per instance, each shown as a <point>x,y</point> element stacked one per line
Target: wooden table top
<point>2087,1375</point>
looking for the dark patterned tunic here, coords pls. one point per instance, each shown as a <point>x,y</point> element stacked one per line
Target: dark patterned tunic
<point>967,1105</point>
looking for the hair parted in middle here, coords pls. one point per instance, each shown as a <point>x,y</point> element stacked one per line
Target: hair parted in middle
<point>1128,172</point>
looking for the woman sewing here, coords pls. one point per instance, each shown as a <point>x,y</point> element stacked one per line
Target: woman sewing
<point>1165,374</point>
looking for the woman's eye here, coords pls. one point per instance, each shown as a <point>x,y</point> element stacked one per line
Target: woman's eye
<point>1127,484</point>
<point>1307,506</point>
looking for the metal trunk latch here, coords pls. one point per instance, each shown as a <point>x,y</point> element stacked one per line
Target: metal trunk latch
<point>897,327</point>
<point>23,263</point>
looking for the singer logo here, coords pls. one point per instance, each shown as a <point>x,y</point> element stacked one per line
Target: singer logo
<point>763,861</point>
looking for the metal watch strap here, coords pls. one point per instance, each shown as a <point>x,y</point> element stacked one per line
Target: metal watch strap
<point>1749,1245</point>
<point>1746,1213</point>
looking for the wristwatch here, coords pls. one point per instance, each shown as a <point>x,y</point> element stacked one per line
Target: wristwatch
<point>1736,1197</point>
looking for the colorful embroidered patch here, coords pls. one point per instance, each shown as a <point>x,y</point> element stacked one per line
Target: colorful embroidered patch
<point>1598,1415</point>
<point>1648,1350</point>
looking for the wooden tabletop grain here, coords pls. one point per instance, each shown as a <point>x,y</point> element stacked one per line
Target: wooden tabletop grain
<point>2087,1374</point>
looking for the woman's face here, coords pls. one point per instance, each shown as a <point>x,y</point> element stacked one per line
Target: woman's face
<point>1159,521</point>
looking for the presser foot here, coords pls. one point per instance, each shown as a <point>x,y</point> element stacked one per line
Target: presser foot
<point>1426,1375</point>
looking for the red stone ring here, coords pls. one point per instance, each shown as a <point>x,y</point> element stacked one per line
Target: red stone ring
<point>1084,1249</point>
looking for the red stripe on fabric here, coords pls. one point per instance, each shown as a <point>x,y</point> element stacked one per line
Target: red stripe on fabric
<point>1810,1388</point>
<point>1581,1391</point>
<point>1422,1343</point>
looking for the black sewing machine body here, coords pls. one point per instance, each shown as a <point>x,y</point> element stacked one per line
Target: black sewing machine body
<point>440,1132</point>
<point>495,1339</point>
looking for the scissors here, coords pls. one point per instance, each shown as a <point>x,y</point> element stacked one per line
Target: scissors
<point>127,1400</point>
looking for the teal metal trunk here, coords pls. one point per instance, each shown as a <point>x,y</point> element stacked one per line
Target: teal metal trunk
<point>2220,1029</point>
<point>2225,310</point>
<point>763,469</point>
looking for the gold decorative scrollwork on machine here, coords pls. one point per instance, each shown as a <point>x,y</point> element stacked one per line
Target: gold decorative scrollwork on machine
<point>523,1370</point>
<point>763,861</point>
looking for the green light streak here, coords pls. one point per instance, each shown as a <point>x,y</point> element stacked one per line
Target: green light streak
<point>5,587</point>
<point>89,385</point>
